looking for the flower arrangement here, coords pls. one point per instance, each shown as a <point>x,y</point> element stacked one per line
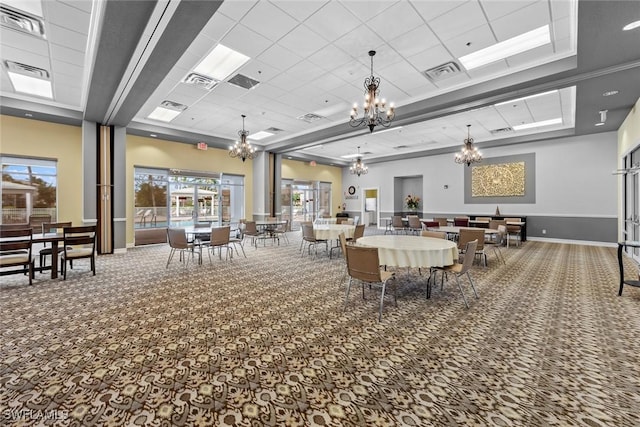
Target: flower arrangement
<point>412,201</point>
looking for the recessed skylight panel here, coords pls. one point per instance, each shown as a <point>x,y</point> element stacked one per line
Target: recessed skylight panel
<point>31,85</point>
<point>513,46</point>
<point>221,62</point>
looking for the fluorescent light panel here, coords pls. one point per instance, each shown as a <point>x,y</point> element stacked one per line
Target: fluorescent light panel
<point>524,98</point>
<point>221,62</point>
<point>513,46</point>
<point>631,26</point>
<point>31,85</point>
<point>260,135</point>
<point>163,114</point>
<point>538,124</point>
<point>351,156</point>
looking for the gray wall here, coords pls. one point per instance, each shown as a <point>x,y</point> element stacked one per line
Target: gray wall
<point>574,180</point>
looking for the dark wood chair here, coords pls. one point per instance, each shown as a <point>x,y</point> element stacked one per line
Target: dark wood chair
<point>79,243</point>
<point>15,251</point>
<point>51,227</point>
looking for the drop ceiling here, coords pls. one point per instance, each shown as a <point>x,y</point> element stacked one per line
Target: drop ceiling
<point>115,62</point>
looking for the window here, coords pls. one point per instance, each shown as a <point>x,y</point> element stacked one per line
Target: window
<point>29,187</point>
<point>150,197</point>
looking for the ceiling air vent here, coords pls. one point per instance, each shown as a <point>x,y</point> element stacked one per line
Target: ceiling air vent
<point>310,117</point>
<point>442,72</point>
<point>243,81</point>
<point>21,21</point>
<point>17,67</point>
<point>173,106</point>
<point>200,81</point>
<point>274,130</point>
<point>501,130</point>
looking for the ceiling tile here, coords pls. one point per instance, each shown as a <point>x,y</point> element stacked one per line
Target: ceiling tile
<point>268,20</point>
<point>67,69</point>
<point>471,41</point>
<point>25,57</point>
<point>236,9</point>
<point>495,9</point>
<point>430,58</point>
<point>432,9</point>
<point>324,21</point>
<point>65,37</point>
<point>69,95</point>
<point>259,71</point>
<point>23,42</point>
<point>365,11</point>
<point>64,54</point>
<point>82,5</point>
<point>359,42</point>
<point>406,44</point>
<point>246,41</point>
<point>279,57</point>
<point>67,16</point>
<point>300,10</point>
<point>400,12</point>
<point>458,21</point>
<point>303,41</point>
<point>521,21</point>
<point>562,9</point>
<point>330,57</point>
<point>217,27</point>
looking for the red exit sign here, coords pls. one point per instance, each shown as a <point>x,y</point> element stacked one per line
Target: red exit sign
<point>202,146</point>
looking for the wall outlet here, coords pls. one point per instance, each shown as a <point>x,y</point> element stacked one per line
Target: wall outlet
<point>544,231</point>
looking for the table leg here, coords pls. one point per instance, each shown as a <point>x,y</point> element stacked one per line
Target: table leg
<point>54,259</point>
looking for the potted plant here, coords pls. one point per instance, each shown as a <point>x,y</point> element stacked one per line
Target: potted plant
<point>413,202</point>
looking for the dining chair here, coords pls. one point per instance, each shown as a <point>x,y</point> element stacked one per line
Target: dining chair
<point>238,238</point>
<point>177,239</point>
<point>302,224</point>
<point>514,230</point>
<point>434,234</point>
<point>461,222</point>
<point>219,238</point>
<point>431,224</point>
<point>202,232</point>
<point>461,269</point>
<point>281,231</point>
<point>442,221</point>
<point>251,230</point>
<point>363,265</point>
<point>495,243</point>
<point>36,221</point>
<point>308,237</point>
<point>16,252</point>
<point>79,242</point>
<point>470,234</point>
<point>415,225</point>
<point>397,224</point>
<point>51,227</point>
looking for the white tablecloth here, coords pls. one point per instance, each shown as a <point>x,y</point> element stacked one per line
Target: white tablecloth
<point>332,231</point>
<point>412,251</point>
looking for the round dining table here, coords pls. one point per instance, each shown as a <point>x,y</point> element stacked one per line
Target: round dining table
<point>412,251</point>
<point>332,231</point>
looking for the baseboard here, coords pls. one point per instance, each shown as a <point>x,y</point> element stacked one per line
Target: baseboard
<point>573,242</point>
<point>120,251</point>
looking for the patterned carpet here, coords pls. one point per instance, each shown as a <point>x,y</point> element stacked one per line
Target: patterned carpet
<point>263,341</point>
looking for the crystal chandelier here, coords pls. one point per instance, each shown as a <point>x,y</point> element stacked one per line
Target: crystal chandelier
<point>242,148</point>
<point>358,168</point>
<point>469,153</point>
<point>375,110</point>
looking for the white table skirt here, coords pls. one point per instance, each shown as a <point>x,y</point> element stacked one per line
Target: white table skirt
<point>412,251</point>
<point>332,231</point>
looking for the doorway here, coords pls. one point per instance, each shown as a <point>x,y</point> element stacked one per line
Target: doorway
<point>370,209</point>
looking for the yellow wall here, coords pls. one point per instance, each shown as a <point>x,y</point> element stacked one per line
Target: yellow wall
<point>157,153</point>
<point>628,139</point>
<point>34,138</point>
<point>294,169</point>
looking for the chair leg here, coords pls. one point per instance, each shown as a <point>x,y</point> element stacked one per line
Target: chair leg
<point>461,291</point>
<point>173,250</point>
<point>472,286</point>
<point>346,298</point>
<point>384,286</point>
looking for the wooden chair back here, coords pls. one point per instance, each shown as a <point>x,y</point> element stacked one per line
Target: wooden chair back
<point>470,234</point>
<point>20,240</point>
<point>396,221</point>
<point>363,263</point>
<point>441,221</point>
<point>434,234</point>
<point>358,232</point>
<point>177,238</point>
<point>414,222</point>
<point>470,252</point>
<point>220,236</point>
<point>461,222</point>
